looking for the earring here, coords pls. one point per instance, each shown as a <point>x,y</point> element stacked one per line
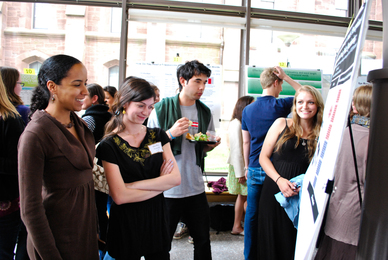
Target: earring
<point>124,111</point>
<point>53,98</point>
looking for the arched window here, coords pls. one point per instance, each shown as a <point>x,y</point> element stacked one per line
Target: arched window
<point>36,66</point>
<point>114,76</point>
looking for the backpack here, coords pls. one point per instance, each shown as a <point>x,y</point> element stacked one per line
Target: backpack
<point>222,217</point>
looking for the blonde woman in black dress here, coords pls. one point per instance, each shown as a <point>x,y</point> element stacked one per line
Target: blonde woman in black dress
<point>290,143</point>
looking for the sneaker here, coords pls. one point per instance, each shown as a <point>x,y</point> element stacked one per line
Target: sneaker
<point>181,230</point>
<point>191,240</point>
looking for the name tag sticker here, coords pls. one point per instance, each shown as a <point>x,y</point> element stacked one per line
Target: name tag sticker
<point>156,148</point>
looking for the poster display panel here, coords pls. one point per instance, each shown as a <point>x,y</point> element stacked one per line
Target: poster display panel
<point>315,194</point>
<point>312,77</point>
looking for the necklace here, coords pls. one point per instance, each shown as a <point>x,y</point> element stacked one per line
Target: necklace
<point>68,125</point>
<point>141,130</point>
<point>304,142</point>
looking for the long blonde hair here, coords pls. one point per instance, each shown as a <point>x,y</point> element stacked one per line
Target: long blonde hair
<point>297,130</point>
<point>7,109</point>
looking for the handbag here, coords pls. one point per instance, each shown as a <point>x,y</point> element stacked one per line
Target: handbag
<point>99,178</point>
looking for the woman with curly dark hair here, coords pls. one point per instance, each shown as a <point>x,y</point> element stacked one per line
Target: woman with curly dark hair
<point>56,153</point>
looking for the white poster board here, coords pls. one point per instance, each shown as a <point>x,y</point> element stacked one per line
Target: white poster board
<point>163,75</point>
<point>321,169</point>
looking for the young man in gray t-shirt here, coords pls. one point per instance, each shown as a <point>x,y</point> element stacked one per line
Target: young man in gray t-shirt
<point>179,115</point>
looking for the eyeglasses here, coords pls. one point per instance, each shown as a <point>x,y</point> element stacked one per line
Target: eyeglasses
<point>21,83</point>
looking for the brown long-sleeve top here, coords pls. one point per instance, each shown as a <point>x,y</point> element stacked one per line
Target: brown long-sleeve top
<point>56,189</point>
<point>344,213</point>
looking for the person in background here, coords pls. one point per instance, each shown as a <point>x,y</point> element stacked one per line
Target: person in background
<point>96,116</point>
<point>157,92</point>
<point>181,228</point>
<point>257,118</point>
<point>157,98</point>
<point>11,79</point>
<point>287,151</point>
<point>343,218</point>
<point>13,85</point>
<point>11,127</point>
<point>56,153</point>
<point>110,93</point>
<point>236,181</point>
<point>173,115</point>
<point>139,166</point>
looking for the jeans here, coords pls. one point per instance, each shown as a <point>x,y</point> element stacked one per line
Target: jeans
<point>255,181</point>
<point>195,212</point>
<point>10,226</point>
<point>109,204</point>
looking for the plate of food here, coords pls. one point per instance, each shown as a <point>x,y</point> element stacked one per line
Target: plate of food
<point>199,138</point>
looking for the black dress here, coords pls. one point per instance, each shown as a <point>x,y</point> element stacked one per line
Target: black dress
<point>139,228</point>
<point>277,234</point>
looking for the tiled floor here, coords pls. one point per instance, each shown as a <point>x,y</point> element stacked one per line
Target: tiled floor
<point>225,246</point>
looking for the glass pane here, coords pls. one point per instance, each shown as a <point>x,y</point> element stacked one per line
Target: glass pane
<point>220,2</point>
<point>371,58</point>
<point>42,16</point>
<point>210,45</point>
<point>36,66</point>
<point>116,20</point>
<point>326,7</point>
<point>376,11</point>
<point>301,51</point>
<point>114,76</point>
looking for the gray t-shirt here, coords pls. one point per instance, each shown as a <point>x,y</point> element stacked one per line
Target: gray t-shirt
<point>191,174</point>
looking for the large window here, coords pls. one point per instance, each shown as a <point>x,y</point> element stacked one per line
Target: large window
<point>42,16</point>
<point>156,37</point>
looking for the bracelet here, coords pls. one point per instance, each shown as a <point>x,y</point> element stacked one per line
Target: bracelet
<point>172,137</point>
<point>278,179</point>
<point>245,168</point>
